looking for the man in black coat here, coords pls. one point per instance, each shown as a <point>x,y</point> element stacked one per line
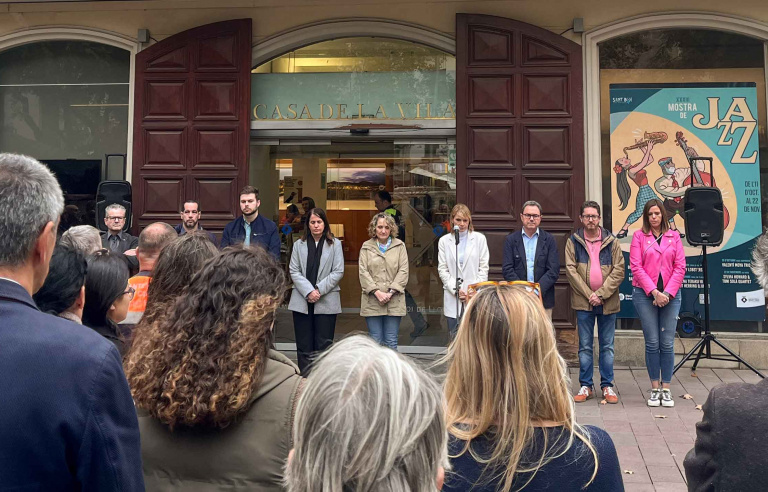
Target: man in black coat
<point>117,240</point>
<point>67,419</point>
<point>729,453</point>
<point>531,254</point>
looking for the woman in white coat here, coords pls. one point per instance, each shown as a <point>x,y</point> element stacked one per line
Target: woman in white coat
<point>473,263</point>
<point>317,266</point>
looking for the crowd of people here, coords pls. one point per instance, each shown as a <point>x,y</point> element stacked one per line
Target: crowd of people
<point>195,397</point>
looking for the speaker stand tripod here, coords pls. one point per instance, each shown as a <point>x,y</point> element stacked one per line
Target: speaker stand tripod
<point>703,349</point>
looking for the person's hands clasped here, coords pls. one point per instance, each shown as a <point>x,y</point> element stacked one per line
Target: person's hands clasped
<point>594,300</point>
<point>660,299</point>
<point>382,297</point>
<point>313,296</point>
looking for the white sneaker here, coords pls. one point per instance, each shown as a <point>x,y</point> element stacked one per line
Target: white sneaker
<point>666,398</point>
<point>655,399</point>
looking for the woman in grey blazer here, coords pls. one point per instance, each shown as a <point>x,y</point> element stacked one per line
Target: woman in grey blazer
<point>317,266</point>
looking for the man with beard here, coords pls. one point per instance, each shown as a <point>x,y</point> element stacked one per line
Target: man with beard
<point>594,265</point>
<point>252,228</point>
<point>190,220</point>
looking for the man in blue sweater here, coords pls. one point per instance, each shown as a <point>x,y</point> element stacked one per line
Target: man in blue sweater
<point>251,228</point>
<point>67,419</point>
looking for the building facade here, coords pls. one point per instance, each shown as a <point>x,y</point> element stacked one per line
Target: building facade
<point>485,103</point>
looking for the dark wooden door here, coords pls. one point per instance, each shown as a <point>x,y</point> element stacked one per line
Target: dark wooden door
<point>519,134</point>
<point>192,124</point>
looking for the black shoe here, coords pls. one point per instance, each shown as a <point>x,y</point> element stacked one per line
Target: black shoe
<point>622,234</point>
<point>681,234</point>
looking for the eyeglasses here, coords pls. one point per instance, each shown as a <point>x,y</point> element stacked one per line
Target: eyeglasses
<point>591,217</point>
<point>532,216</point>
<point>116,219</point>
<point>531,287</point>
<point>131,292</point>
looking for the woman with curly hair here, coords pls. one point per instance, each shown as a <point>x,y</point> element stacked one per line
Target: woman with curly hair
<point>215,401</point>
<point>509,413</point>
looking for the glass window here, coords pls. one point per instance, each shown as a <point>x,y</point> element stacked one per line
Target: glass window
<point>680,56</point>
<point>341,166</point>
<point>66,103</point>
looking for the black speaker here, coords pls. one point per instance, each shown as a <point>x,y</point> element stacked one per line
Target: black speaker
<point>704,216</point>
<point>110,192</point>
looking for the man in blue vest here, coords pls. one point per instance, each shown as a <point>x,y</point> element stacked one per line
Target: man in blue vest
<point>251,228</point>
<point>67,419</point>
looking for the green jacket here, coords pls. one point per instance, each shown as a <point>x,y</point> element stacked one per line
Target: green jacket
<point>578,264</point>
<point>248,455</point>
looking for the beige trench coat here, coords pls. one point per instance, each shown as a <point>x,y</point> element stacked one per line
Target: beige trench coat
<point>383,272</point>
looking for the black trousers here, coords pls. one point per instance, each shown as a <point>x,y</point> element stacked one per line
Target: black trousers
<point>314,333</point>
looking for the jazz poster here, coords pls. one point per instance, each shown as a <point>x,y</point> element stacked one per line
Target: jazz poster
<point>655,128</point>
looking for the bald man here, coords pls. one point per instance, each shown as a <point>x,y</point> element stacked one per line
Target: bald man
<point>152,240</point>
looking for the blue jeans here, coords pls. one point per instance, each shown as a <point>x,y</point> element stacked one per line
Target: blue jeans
<point>659,327</point>
<point>606,328</point>
<point>384,329</point>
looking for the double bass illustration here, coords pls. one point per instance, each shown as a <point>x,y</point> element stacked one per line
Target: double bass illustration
<point>698,177</point>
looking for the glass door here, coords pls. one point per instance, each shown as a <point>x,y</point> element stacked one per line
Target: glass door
<point>345,179</point>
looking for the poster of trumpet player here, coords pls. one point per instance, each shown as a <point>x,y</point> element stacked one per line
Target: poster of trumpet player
<point>655,128</point>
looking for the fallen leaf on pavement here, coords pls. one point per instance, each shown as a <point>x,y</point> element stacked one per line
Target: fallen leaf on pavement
<point>660,416</point>
<point>687,397</point>
<point>698,407</point>
<point>629,472</point>
<point>603,402</point>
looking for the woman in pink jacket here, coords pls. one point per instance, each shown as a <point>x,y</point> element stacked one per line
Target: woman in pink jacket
<point>657,260</point>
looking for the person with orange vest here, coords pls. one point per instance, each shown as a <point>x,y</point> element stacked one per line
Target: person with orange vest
<point>152,240</point>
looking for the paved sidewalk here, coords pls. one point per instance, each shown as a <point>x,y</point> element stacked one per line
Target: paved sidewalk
<point>652,442</point>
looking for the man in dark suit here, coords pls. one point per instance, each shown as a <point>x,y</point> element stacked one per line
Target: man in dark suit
<point>531,254</point>
<point>67,418</point>
<point>251,228</point>
<point>115,239</point>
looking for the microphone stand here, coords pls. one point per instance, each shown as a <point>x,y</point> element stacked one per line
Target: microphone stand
<point>459,305</point>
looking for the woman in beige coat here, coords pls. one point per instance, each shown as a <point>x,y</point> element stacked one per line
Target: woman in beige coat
<point>383,277</point>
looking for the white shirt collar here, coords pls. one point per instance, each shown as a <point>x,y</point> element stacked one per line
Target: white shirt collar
<point>11,280</point>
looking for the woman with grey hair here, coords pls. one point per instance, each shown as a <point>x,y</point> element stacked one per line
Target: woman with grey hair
<point>368,420</point>
<point>383,274</point>
<point>83,238</point>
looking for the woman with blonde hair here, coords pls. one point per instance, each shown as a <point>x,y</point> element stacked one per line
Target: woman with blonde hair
<point>509,412</point>
<point>473,258</point>
<point>383,274</point>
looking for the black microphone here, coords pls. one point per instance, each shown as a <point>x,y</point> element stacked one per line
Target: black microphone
<point>456,233</point>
